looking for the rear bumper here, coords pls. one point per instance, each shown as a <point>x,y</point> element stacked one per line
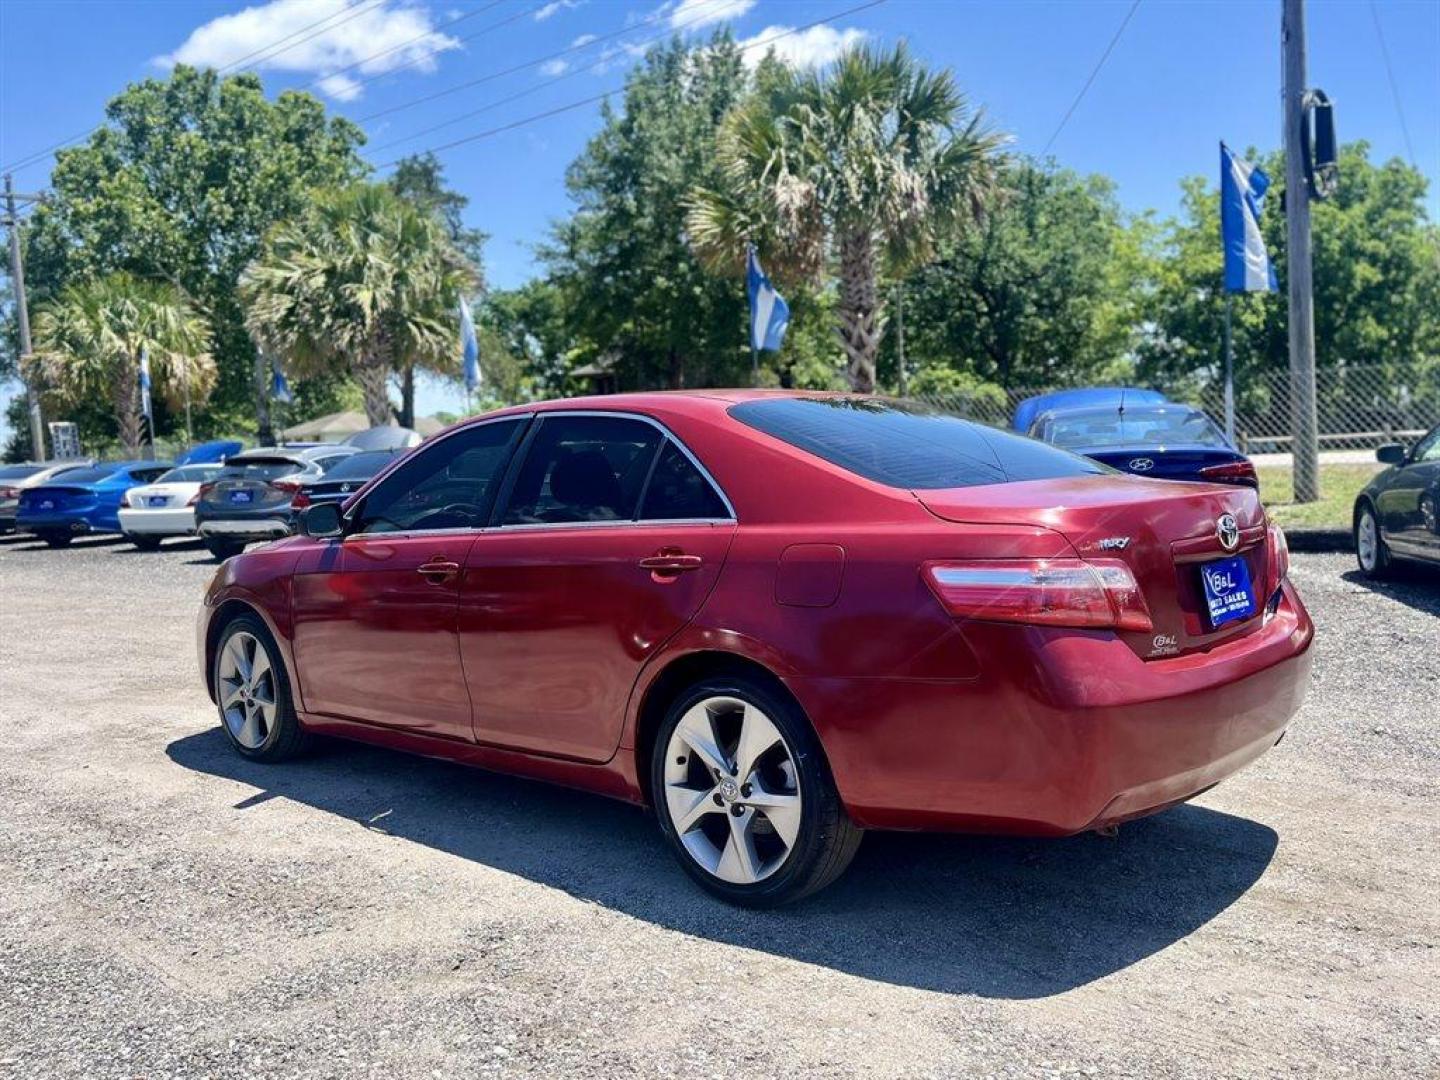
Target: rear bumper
<point>55,523</point>
<point>1089,736</point>
<point>173,521</point>
<point>260,528</point>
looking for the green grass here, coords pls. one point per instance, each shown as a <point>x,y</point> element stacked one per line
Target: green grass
<point>1339,484</point>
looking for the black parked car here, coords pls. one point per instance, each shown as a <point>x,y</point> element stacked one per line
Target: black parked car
<point>1395,515</point>
<point>343,479</point>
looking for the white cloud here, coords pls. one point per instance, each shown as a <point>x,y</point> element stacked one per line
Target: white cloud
<point>693,14</point>
<point>583,40</point>
<point>554,7</point>
<point>810,48</point>
<point>356,39</point>
<point>555,67</point>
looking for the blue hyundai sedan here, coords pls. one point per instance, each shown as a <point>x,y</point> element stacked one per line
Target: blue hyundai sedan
<point>1168,441</point>
<point>82,501</point>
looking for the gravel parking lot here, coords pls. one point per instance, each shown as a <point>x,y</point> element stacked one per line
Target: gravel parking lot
<point>167,909</point>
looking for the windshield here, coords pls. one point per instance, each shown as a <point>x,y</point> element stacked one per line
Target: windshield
<point>360,466</point>
<point>260,468</point>
<point>906,445</point>
<point>190,474</point>
<point>1135,427</point>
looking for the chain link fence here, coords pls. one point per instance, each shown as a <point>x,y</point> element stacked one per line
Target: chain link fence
<point>1359,407</point>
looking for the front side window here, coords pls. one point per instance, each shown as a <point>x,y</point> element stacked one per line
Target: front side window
<point>1428,449</point>
<point>583,468</point>
<point>448,485</point>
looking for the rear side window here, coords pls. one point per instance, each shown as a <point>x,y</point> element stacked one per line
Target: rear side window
<point>583,468</point>
<point>906,445</point>
<point>678,491</point>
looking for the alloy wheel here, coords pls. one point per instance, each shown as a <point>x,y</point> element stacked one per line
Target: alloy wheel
<point>1366,540</point>
<point>732,790</point>
<point>247,690</point>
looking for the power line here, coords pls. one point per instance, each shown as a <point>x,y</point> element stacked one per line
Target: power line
<point>271,51</point>
<point>603,59</point>
<point>490,76</point>
<point>1085,89</point>
<point>347,10</point>
<point>548,113</point>
<point>1394,86</point>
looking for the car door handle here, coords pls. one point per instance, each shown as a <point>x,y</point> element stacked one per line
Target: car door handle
<point>671,564</point>
<point>438,571</point>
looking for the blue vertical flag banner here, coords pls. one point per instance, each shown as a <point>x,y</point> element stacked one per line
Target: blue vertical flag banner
<point>145,407</point>
<point>279,387</point>
<point>1242,189</point>
<point>769,314</point>
<point>469,348</point>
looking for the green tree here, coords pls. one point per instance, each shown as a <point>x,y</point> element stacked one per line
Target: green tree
<point>420,179</point>
<point>1047,289</point>
<point>180,184</point>
<point>869,166</point>
<point>90,339</point>
<point>631,291</point>
<point>363,282</point>
<point>1376,273</point>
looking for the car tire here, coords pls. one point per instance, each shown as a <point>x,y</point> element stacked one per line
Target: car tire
<point>252,693</point>
<point>1371,552</point>
<point>223,549</point>
<point>56,539</point>
<point>770,837</point>
<point>144,543</point>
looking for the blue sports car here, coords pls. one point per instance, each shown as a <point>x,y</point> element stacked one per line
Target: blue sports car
<point>82,501</point>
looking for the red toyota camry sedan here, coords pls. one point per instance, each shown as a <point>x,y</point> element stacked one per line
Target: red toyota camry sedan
<point>779,619</point>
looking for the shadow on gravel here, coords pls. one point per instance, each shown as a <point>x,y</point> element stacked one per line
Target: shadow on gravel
<point>27,543</point>
<point>168,545</point>
<point>1003,918</point>
<point>1411,583</point>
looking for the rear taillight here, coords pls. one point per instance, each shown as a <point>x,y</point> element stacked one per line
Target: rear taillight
<point>9,493</point>
<point>203,493</point>
<point>1277,555</point>
<point>301,500</point>
<point>1097,594</point>
<point>1232,472</point>
<point>291,486</point>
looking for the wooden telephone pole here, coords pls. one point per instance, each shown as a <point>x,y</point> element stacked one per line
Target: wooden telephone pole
<point>22,312</point>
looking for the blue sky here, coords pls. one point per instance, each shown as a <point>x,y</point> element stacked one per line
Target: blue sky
<point>1182,75</point>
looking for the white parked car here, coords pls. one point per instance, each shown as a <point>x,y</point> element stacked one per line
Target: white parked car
<point>165,508</point>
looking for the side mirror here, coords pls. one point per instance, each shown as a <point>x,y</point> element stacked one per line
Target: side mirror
<point>1390,454</point>
<point>321,521</point>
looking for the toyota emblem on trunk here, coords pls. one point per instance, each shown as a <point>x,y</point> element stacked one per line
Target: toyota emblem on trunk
<point>1141,464</point>
<point>1228,532</point>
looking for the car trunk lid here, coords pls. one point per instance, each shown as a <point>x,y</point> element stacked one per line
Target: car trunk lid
<point>1166,533</point>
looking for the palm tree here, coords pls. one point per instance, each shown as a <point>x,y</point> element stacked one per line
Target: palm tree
<point>89,341</point>
<point>364,282</point>
<point>867,165</point>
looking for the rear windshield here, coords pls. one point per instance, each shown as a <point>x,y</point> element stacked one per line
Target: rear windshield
<point>19,472</point>
<point>190,474</point>
<point>907,445</point>
<point>85,475</point>
<point>260,468</point>
<point>1134,427</point>
<point>360,466</point>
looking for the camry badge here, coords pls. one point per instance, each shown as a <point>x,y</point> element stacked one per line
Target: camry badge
<point>1227,532</point>
<point>1141,464</point>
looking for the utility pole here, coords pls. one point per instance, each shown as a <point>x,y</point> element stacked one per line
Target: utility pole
<point>22,311</point>
<point>1304,421</point>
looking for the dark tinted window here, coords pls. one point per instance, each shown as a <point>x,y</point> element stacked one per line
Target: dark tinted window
<point>148,475</point>
<point>1428,448</point>
<point>1133,427</point>
<point>583,468</point>
<point>678,490</point>
<point>360,466</point>
<point>449,484</point>
<point>906,445</point>
<point>191,474</point>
